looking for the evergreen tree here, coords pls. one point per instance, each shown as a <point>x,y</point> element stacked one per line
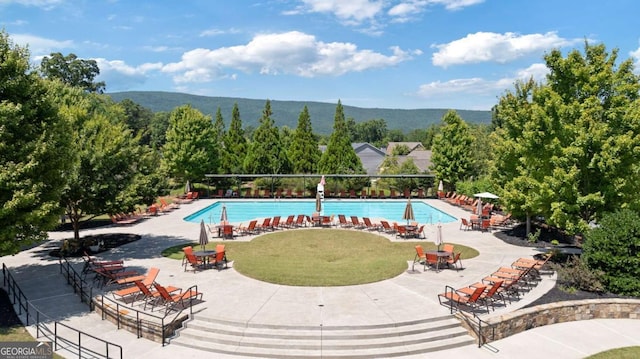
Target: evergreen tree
<point>451,154</point>
<point>340,157</point>
<point>266,154</point>
<point>235,145</point>
<point>304,151</point>
<point>35,152</point>
<point>190,151</point>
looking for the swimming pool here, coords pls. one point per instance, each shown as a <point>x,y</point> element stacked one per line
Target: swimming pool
<point>245,211</point>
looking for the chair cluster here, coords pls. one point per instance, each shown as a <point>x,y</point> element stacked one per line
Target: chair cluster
<point>210,259</point>
<point>410,231</point>
<point>146,290</point>
<point>506,283</point>
<point>432,259</point>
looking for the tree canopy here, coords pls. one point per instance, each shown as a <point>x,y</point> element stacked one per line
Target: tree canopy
<point>451,153</point>
<point>35,153</point>
<point>304,152</point>
<point>569,149</point>
<point>266,154</point>
<point>72,71</point>
<point>191,150</point>
<point>340,157</point>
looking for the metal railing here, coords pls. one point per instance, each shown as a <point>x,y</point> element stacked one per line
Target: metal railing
<point>43,330</point>
<point>85,291</point>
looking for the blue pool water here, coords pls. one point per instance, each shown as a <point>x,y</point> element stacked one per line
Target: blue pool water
<point>245,211</point>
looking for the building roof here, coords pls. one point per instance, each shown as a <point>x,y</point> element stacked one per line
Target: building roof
<point>411,145</point>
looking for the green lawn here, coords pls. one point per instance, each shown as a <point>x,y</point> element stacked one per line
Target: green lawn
<point>321,257</point>
<point>619,353</point>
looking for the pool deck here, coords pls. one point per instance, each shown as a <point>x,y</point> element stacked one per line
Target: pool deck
<point>227,294</point>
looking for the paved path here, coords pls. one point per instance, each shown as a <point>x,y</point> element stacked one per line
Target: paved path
<point>232,296</point>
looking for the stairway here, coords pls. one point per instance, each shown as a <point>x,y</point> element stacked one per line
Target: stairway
<point>283,341</point>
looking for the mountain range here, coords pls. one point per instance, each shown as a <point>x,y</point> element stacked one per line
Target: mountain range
<point>286,113</point>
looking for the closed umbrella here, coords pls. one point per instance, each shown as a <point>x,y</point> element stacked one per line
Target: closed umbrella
<point>204,238</point>
<point>440,186</point>
<point>187,187</point>
<point>223,215</point>
<point>479,207</point>
<point>408,212</point>
<point>439,236</point>
<point>318,203</point>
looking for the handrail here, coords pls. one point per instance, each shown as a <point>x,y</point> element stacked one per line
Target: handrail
<point>41,326</point>
<point>469,319</point>
<point>77,282</point>
<point>164,322</point>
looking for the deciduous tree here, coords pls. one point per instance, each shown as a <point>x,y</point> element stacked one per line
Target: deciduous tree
<point>190,151</point>
<point>72,71</point>
<point>35,152</point>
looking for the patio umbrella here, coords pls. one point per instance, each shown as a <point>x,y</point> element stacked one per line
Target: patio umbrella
<point>187,187</point>
<point>479,207</point>
<point>204,238</point>
<point>322,182</point>
<point>439,236</point>
<point>223,215</point>
<point>440,186</point>
<point>318,203</point>
<point>486,195</point>
<point>408,212</point>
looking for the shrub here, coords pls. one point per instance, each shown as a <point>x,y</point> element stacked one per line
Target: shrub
<point>574,274</point>
<point>614,248</point>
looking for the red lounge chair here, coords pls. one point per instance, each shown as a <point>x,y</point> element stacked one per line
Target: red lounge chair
<point>370,226</point>
<point>172,300</point>
<point>457,298</point>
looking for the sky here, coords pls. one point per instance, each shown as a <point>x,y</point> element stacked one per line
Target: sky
<point>455,54</point>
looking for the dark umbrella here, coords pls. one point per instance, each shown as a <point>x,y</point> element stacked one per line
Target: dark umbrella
<point>204,238</point>
<point>318,203</point>
<point>408,212</point>
<point>223,215</point>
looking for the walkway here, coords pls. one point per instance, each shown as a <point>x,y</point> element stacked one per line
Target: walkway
<point>229,295</point>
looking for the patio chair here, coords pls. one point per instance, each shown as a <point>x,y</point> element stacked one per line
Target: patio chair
<point>147,281</point>
<point>402,232</point>
<point>194,262</point>
<point>227,232</point>
<point>356,223</point>
<point>490,294</point>
<point>220,257</point>
<point>426,258</point>
<point>454,261</point>
<point>448,247</point>
<point>465,225</point>
<point>419,233</point>
<point>150,296</point>
<point>369,225</point>
<point>458,298</point>
<point>172,300</point>
<point>300,221</point>
<point>386,227</point>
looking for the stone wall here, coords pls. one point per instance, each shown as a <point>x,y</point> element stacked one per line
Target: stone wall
<point>502,326</point>
<point>560,312</point>
<point>148,327</point>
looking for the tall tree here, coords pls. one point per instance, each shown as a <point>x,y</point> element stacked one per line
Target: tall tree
<point>371,131</point>
<point>218,129</point>
<point>158,129</point>
<point>35,152</point>
<point>583,132</point>
<point>304,151</point>
<point>235,145</point>
<point>190,151</point>
<point>138,118</point>
<point>107,155</point>
<point>451,153</point>
<point>72,71</point>
<point>340,157</point>
<point>266,154</point>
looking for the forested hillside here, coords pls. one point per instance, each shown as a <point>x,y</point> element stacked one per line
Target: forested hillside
<point>285,113</point>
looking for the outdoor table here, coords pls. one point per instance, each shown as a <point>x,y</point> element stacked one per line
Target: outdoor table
<point>442,257</point>
<point>205,255</point>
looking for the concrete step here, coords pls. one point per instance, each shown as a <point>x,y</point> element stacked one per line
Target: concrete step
<point>282,341</point>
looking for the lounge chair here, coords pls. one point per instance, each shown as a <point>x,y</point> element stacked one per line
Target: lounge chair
<point>342,221</point>
<point>458,298</point>
<point>490,294</point>
<point>300,221</point>
<point>172,300</point>
<point>148,280</point>
<point>369,225</point>
<point>288,223</point>
<point>386,227</point>
<point>266,225</point>
<point>356,223</point>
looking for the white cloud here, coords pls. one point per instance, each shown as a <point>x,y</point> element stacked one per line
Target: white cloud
<point>494,47</point>
<point>44,4</point>
<point>40,45</point>
<point>217,32</point>
<point>351,12</point>
<point>455,4</point>
<point>480,86</point>
<point>291,53</point>
<point>119,76</point>
<point>636,59</point>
